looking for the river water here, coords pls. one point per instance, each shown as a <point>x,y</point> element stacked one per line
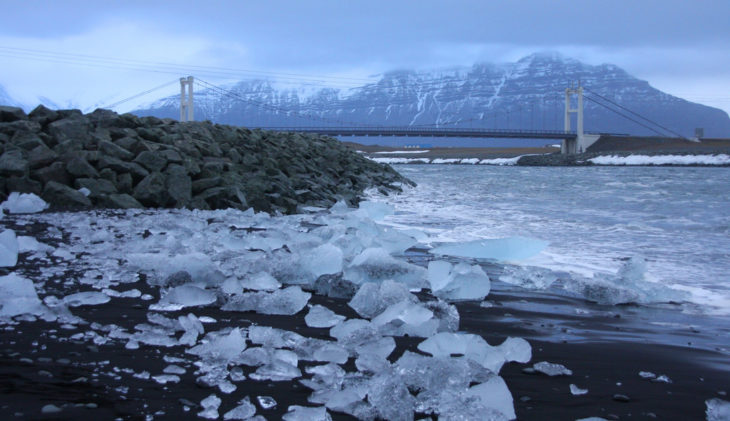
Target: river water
<point>677,219</point>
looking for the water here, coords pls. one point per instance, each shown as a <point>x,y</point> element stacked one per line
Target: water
<point>677,218</point>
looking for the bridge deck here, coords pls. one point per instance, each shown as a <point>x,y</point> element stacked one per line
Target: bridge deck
<point>429,132</point>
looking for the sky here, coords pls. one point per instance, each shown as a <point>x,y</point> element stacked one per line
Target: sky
<point>95,53</point>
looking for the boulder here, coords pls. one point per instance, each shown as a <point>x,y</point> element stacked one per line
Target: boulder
<point>205,184</point>
<point>80,167</point>
<point>43,115</point>
<point>41,156</point>
<point>120,201</point>
<point>152,191</point>
<point>54,172</point>
<point>97,186</point>
<point>62,196</point>
<point>8,114</point>
<point>179,185</point>
<point>13,163</point>
<point>23,185</point>
<point>152,161</point>
<point>110,149</point>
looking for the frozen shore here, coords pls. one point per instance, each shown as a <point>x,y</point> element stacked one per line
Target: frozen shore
<point>175,313</point>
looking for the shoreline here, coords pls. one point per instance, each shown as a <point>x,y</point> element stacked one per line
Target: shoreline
<point>602,345</point>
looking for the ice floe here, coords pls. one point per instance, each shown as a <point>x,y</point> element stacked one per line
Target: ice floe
<point>24,203</point>
<point>503,249</point>
<point>8,248</point>
<point>720,159</point>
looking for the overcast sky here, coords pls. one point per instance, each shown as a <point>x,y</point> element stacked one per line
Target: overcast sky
<point>98,52</point>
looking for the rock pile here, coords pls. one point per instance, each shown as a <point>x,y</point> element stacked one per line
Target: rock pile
<point>103,159</point>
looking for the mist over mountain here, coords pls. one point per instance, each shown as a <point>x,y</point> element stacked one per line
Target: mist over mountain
<point>528,94</point>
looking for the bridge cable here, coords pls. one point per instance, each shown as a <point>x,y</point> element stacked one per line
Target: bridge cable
<point>116,104</point>
<point>625,116</point>
<point>634,113</point>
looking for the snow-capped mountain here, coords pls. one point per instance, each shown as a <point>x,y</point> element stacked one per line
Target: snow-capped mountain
<point>6,99</point>
<point>528,94</point>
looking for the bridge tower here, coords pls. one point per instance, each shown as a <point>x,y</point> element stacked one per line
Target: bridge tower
<point>583,141</point>
<point>186,104</point>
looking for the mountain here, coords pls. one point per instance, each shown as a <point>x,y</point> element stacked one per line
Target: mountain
<point>5,98</point>
<point>528,94</point>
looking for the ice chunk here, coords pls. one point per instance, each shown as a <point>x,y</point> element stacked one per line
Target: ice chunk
<point>331,353</point>
<point>274,338</point>
<point>406,318</point>
<point>647,375</point>
<point>494,394</point>
<point>628,285</point>
<point>376,265</point>
<point>322,260</point>
<point>373,298</point>
<point>184,296</point>
<point>266,402</point>
<point>529,277</point>
<point>286,301</point>
<point>166,378</point>
<point>86,192</point>
<point>89,298</point>
<point>577,391</point>
<point>8,249</point>
<point>552,369</point>
<point>26,244</point>
<point>475,348</point>
<point>375,210</point>
<point>320,316</point>
<point>504,249</point>
<point>200,266</point>
<point>193,327</point>
<point>173,369</point>
<point>260,281</point>
<point>390,397</point>
<point>18,296</point>
<point>24,203</point>
<point>221,346</point>
<point>458,283</point>
<point>303,413</point>
<point>430,374</point>
<point>717,410</point>
<point>210,407</point>
<point>243,411</point>
<point>446,314</point>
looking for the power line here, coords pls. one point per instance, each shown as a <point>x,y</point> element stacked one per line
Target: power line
<point>625,116</point>
<point>116,104</point>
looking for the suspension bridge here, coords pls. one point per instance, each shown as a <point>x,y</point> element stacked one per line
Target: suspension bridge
<point>572,140</point>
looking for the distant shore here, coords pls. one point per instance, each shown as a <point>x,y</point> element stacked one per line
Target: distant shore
<point>662,152</point>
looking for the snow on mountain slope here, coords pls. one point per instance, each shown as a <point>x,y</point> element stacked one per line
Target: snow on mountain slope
<point>528,94</point>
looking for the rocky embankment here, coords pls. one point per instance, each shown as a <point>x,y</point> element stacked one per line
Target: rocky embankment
<point>103,159</point>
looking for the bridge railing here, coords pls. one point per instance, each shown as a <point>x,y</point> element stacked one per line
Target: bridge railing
<point>425,132</point>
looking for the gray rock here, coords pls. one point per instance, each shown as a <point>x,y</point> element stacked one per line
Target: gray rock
<point>80,167</point>
<point>124,183</point>
<point>109,148</point>
<point>178,278</point>
<point>97,186</point>
<point>152,191</point>
<point>8,114</point>
<point>54,172</point>
<point>43,115</point>
<point>26,140</point>
<point>205,184</point>
<point>41,156</point>
<point>121,167</point>
<point>120,201</point>
<point>129,143</point>
<point>13,163</point>
<point>171,156</point>
<point>74,128</point>
<point>23,185</point>
<point>153,161</point>
<point>179,185</point>
<point>62,196</point>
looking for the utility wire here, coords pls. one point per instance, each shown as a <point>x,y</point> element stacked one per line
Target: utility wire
<point>625,116</point>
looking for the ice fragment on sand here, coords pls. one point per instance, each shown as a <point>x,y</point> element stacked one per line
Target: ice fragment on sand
<point>552,369</point>
<point>244,410</point>
<point>647,375</point>
<point>577,391</point>
<point>266,402</point>
<point>24,203</point>
<point>390,397</point>
<point>221,347</point>
<point>320,316</point>
<point>475,348</point>
<point>200,266</point>
<point>26,244</point>
<point>528,277</point>
<point>303,413</point>
<point>184,296</point>
<point>375,264</point>
<point>274,338</point>
<point>260,281</point>
<point>192,326</point>
<point>504,249</point>
<point>322,260</point>
<point>50,409</point>
<point>628,285</point>
<point>373,298</point>
<point>89,298</point>
<point>717,410</point>
<point>375,210</point>
<point>173,369</point>
<point>18,296</point>
<point>166,378</point>
<point>210,407</point>
<point>331,353</point>
<point>494,394</point>
<point>406,318</point>
<point>459,282</point>
<point>276,370</point>
<point>287,301</point>
<point>662,379</point>
<point>8,249</point>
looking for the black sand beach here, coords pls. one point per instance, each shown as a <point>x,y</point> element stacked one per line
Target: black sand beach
<point>605,347</point>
